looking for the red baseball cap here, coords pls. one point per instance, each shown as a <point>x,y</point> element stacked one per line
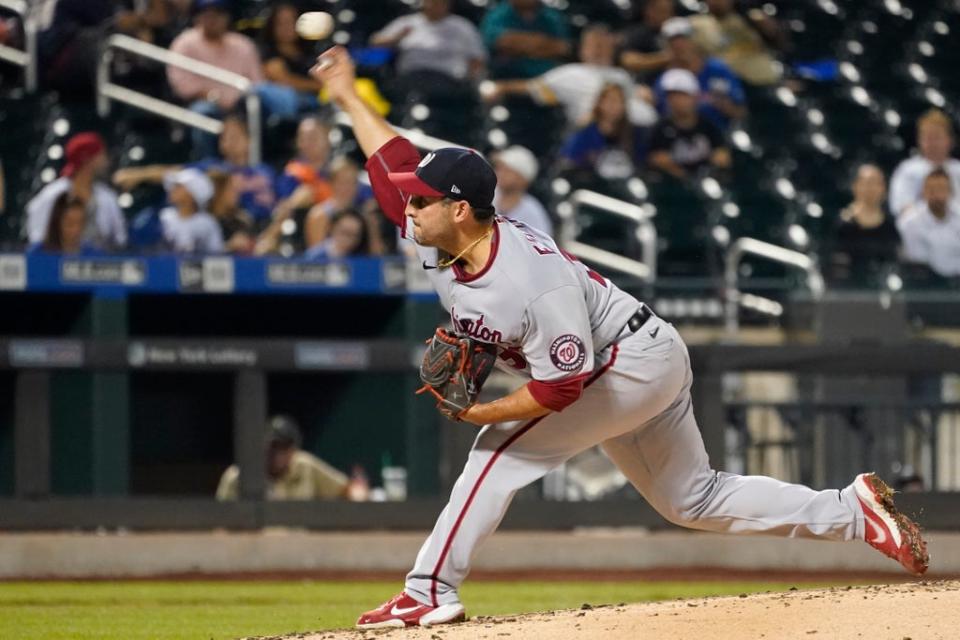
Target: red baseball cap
<point>81,149</point>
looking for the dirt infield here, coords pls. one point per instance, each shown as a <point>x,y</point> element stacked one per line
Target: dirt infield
<point>919,611</point>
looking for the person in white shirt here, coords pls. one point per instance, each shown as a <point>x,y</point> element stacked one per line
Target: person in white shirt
<point>187,227</point>
<point>935,142</point>
<point>516,169</point>
<point>931,228</point>
<point>575,86</point>
<point>81,176</point>
<point>434,40</point>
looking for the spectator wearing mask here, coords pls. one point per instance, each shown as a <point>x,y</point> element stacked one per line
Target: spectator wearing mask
<point>643,50</point>
<point>525,38</point>
<point>741,40</point>
<point>235,223</point>
<point>931,228</point>
<point>865,237</point>
<point>516,169</point>
<point>349,236</point>
<point>65,229</point>
<point>186,224</point>
<point>935,143</point>
<point>575,86</point>
<point>684,143</point>
<point>292,473</point>
<point>287,59</point>
<point>610,146</point>
<point>721,98</point>
<point>81,177</point>
<point>436,51</point>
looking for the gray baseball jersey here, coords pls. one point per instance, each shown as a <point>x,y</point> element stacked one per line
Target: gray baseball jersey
<point>632,398</point>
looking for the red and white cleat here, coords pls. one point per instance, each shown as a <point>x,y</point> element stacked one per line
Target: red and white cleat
<point>403,611</point>
<point>887,530</point>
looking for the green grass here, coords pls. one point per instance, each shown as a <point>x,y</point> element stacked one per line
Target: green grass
<point>226,610</point>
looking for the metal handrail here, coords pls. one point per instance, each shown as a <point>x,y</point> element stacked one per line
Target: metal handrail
<point>744,246</point>
<point>107,91</point>
<point>28,57</point>
<point>645,269</point>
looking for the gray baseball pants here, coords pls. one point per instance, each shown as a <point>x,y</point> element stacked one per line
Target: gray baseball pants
<point>638,407</point>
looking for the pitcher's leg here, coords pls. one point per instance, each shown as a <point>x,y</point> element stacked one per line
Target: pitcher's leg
<point>666,461</point>
<point>478,502</point>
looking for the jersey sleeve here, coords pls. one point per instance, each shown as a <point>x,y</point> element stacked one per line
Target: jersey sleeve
<point>398,154</point>
<point>558,346</point>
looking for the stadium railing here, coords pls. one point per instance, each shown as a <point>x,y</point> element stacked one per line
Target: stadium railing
<point>751,246</point>
<point>28,57</point>
<point>108,91</point>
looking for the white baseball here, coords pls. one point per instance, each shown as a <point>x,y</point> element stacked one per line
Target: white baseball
<point>315,25</point>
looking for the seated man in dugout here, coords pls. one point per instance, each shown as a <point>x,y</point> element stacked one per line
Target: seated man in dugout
<point>292,473</point>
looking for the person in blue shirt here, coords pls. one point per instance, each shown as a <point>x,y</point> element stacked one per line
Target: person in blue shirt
<point>610,146</point>
<point>255,183</point>
<point>525,39</point>
<point>722,99</point>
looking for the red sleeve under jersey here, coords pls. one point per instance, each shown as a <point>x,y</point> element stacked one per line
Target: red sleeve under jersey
<point>398,154</point>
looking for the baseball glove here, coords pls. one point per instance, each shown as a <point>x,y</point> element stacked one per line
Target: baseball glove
<point>454,369</point>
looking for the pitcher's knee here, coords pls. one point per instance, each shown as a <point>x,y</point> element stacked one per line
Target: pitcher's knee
<point>689,509</point>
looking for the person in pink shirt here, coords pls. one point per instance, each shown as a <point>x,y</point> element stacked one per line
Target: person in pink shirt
<point>210,40</point>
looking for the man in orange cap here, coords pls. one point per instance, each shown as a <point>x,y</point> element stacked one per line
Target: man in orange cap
<point>86,163</point>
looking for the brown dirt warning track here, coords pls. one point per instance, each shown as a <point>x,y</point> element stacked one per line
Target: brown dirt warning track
<point>928,610</point>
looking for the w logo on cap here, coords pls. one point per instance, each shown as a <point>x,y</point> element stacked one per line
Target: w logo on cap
<point>427,159</point>
<point>454,189</point>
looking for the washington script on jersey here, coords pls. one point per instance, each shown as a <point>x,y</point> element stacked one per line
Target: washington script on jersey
<point>475,328</point>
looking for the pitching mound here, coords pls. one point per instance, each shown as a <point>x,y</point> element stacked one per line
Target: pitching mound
<point>920,611</point>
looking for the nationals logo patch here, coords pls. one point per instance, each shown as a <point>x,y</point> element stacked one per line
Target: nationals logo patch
<point>567,352</point>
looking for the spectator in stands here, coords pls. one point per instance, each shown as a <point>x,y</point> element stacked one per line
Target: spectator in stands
<point>516,169</point>
<point>187,227</point>
<point>643,50</point>
<point>287,59</point>
<point>304,180</point>
<point>254,182</point>
<point>935,142</point>
<point>155,21</point>
<point>525,39</point>
<point>292,474</point>
<point>575,86</point>
<point>81,177</point>
<point>740,38</point>
<point>865,237</point>
<point>349,236</point>
<point>347,194</point>
<point>437,52</point>
<point>65,229</point>
<point>610,146</point>
<point>684,143</point>
<point>211,41</point>
<point>68,48</point>
<point>236,224</point>
<point>721,96</point>
<point>931,228</point>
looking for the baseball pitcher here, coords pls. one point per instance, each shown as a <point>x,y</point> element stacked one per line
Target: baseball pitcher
<point>602,368</point>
